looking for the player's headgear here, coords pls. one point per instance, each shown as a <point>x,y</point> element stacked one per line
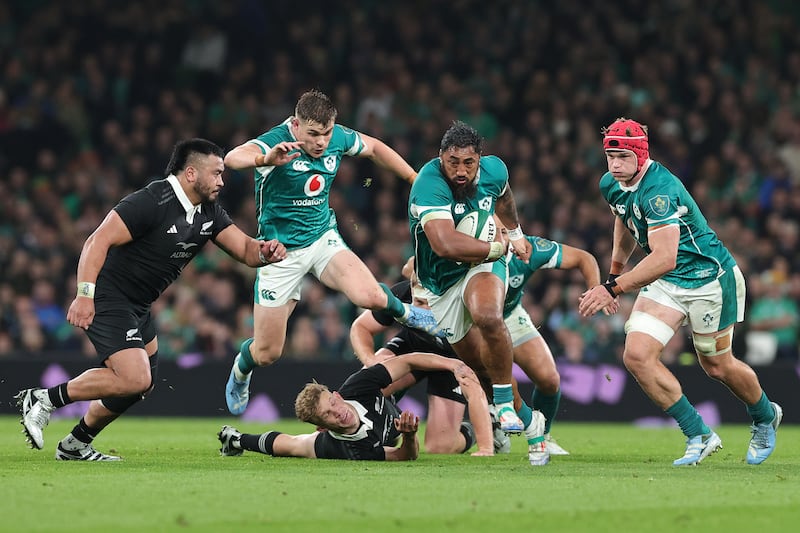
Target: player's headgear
<point>628,135</point>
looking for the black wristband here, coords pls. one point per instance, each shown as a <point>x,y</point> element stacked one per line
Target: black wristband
<point>612,277</point>
<point>609,286</point>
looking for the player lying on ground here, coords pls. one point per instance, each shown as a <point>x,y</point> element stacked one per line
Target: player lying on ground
<point>358,422</point>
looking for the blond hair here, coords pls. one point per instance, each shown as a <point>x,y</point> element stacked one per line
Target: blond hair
<point>306,405</point>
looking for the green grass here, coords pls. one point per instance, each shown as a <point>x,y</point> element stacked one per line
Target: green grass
<point>172,479</point>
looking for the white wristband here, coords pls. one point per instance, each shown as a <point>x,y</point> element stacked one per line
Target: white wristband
<point>86,289</point>
<point>496,250</point>
<point>515,234</point>
<point>262,258</point>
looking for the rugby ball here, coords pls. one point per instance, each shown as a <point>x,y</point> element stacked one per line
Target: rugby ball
<point>478,224</point>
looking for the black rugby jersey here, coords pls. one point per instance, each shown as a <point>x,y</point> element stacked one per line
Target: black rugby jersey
<point>377,414</point>
<point>164,240</point>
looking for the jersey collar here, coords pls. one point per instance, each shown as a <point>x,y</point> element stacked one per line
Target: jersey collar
<point>188,206</point>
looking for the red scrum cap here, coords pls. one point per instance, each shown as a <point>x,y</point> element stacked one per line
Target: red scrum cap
<point>630,136</point>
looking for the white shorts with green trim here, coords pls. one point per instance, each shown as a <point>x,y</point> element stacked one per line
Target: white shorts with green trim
<point>277,283</point>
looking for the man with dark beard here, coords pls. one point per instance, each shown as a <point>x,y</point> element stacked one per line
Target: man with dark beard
<point>464,278</point>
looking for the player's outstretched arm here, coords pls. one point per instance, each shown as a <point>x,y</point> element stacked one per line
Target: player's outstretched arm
<point>247,250</point>
<point>248,155</point>
<point>470,387</point>
<point>384,156</point>
<point>362,338</point>
<point>572,258</point>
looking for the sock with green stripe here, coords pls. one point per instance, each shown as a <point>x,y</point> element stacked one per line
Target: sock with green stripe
<point>547,404</point>
<point>762,411</point>
<point>688,419</point>
<point>393,304</point>
<point>244,361</point>
<point>502,394</point>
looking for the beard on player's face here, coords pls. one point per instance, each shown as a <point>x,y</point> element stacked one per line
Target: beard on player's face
<point>465,191</point>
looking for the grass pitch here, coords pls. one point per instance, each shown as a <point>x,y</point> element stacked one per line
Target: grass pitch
<point>618,478</point>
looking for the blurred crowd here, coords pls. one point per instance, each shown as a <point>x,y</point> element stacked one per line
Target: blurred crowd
<point>94,94</point>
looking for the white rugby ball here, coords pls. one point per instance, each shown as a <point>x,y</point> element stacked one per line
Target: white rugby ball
<point>479,224</point>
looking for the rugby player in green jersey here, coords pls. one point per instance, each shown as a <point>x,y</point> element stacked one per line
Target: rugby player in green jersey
<point>464,278</point>
<point>294,165</point>
<point>686,276</point>
<point>531,352</point>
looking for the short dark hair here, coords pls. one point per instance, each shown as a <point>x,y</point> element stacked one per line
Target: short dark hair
<point>315,105</point>
<point>461,135</point>
<point>185,149</point>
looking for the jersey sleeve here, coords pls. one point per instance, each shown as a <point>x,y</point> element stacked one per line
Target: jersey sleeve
<point>351,141</point>
<point>544,254</point>
<point>660,205</point>
<point>136,211</point>
<point>430,197</point>
<point>365,381</point>
<point>221,219</point>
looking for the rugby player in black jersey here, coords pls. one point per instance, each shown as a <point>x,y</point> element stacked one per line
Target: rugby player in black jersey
<point>358,421</point>
<point>138,250</point>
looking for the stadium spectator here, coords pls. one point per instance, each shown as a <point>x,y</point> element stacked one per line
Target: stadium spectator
<point>294,165</point>
<point>139,249</point>
<point>686,275</point>
<point>357,422</point>
<point>775,313</point>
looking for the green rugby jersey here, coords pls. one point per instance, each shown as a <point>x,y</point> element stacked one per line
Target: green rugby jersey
<point>658,199</point>
<point>292,199</point>
<point>431,194</point>
<point>544,254</point>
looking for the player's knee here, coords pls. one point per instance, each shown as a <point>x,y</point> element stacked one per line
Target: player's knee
<point>137,385</point>
<point>441,446</point>
<point>121,404</point>
<point>265,353</point>
<point>549,383</point>
<point>488,320</point>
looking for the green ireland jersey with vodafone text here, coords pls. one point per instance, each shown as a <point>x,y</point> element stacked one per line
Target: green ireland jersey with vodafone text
<point>292,199</point>
<point>659,199</point>
<point>431,197</point>
<point>544,254</point>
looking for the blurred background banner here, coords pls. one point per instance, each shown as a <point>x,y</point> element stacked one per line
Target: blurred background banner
<point>590,393</point>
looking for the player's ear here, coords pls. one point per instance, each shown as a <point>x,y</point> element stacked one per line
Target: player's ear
<point>191,173</point>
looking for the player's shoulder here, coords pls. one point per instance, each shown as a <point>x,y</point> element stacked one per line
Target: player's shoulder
<point>492,163</point>
<point>278,133</point>
<point>429,178</point>
<point>158,191</point>
<point>343,137</point>
<point>431,169</point>
<point>607,181</point>
<point>659,179</point>
<point>494,172</point>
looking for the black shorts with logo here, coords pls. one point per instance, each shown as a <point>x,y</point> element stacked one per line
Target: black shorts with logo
<point>118,325</point>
